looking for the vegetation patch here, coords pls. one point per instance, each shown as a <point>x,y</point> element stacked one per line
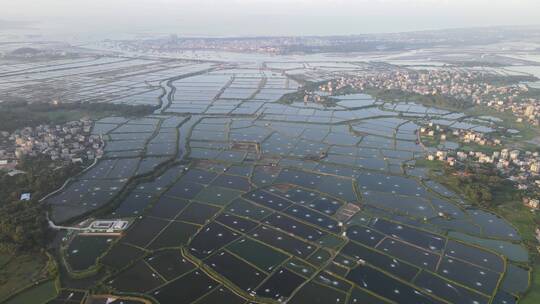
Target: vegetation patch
<point>41,293</point>
<point>20,115</point>
<point>21,271</point>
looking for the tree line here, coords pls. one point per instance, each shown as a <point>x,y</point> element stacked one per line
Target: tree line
<point>16,115</point>
<point>23,224</point>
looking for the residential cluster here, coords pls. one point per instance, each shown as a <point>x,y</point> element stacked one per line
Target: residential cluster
<point>474,87</point>
<point>522,168</point>
<point>70,142</point>
<point>315,97</point>
<point>173,43</point>
<point>465,136</point>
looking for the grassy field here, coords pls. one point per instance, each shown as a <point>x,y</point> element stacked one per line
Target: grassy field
<point>524,220</point>
<point>39,294</point>
<point>4,259</point>
<point>533,295</point>
<point>19,271</point>
<point>521,217</point>
<point>429,164</point>
<point>478,148</point>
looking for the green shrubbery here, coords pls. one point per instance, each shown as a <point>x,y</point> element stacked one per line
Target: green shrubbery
<point>480,186</point>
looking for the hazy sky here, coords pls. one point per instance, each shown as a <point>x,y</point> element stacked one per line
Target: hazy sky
<point>265,17</point>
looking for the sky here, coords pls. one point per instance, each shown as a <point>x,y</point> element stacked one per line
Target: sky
<point>263,17</point>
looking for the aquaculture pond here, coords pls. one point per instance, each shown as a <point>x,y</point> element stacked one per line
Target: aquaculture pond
<point>237,198</point>
<point>84,251</point>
